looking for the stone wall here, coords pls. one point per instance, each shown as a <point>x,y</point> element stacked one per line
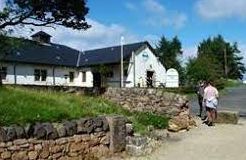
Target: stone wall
<point>157,101</point>
<point>88,138</point>
<point>148,100</point>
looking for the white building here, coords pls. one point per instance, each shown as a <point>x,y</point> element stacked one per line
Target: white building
<point>40,62</point>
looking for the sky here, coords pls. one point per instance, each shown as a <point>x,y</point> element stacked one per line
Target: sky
<point>140,20</point>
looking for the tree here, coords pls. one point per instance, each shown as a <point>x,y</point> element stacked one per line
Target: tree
<point>70,14</point>
<point>202,69</point>
<point>168,52</point>
<point>226,56</point>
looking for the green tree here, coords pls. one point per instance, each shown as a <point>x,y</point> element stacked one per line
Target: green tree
<point>168,52</point>
<point>70,14</point>
<point>202,69</point>
<point>226,56</point>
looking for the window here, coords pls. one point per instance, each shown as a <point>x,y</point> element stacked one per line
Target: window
<point>43,75</point>
<point>3,72</point>
<point>83,76</point>
<point>71,76</point>
<point>110,74</point>
<point>125,72</point>
<point>40,74</point>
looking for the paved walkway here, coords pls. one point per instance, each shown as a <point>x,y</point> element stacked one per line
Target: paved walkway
<point>206,143</point>
<point>225,142</point>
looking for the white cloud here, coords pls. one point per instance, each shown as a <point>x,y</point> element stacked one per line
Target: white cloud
<point>242,48</point>
<point>99,35</point>
<point>188,52</point>
<point>159,16</point>
<point>2,4</point>
<point>130,6</point>
<point>154,6</point>
<point>215,9</point>
<point>179,20</point>
<point>152,39</point>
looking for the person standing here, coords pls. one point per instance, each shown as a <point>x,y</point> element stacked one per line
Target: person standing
<point>210,100</point>
<point>200,94</point>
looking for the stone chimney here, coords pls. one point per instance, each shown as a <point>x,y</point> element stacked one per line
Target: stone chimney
<point>41,37</point>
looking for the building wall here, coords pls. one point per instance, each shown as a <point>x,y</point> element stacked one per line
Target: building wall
<point>25,75</point>
<point>114,81</point>
<point>145,61</point>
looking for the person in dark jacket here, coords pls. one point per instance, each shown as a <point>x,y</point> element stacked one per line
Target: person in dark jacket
<point>200,93</point>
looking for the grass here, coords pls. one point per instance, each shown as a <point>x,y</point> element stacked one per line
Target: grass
<point>20,106</point>
<point>232,83</point>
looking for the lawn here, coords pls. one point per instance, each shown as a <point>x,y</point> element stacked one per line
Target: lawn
<point>20,106</point>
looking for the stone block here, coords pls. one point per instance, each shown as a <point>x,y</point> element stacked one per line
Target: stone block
<point>61,130</point>
<point>117,125</point>
<point>51,132</point>
<point>33,155</point>
<point>70,127</point>
<point>129,129</point>
<point>6,155</point>
<point>44,154</point>
<point>22,155</point>
<point>3,135</point>
<point>159,135</point>
<point>11,133</point>
<point>87,125</point>
<point>29,130</point>
<point>227,117</point>
<point>39,131</point>
<point>20,141</point>
<point>137,140</point>
<point>20,132</point>
<point>135,150</point>
<point>178,123</point>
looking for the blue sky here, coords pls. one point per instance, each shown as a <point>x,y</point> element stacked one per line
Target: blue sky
<point>190,20</point>
<point>139,20</point>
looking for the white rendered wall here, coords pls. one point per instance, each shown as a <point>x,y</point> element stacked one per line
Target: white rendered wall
<point>146,61</point>
<point>25,75</point>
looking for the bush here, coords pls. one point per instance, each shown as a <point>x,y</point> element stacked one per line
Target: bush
<point>144,119</point>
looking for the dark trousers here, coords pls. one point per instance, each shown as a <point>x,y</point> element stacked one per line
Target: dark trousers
<point>200,99</point>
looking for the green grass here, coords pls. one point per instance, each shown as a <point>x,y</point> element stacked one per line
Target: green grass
<point>20,106</point>
<point>232,83</point>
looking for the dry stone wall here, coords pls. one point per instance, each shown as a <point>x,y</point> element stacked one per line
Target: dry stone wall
<point>157,101</point>
<point>88,138</point>
<point>148,100</point>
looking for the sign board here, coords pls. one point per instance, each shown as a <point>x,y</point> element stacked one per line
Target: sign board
<point>172,78</point>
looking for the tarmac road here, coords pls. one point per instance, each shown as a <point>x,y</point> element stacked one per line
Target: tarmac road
<point>234,99</point>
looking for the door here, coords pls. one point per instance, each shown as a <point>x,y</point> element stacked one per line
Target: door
<point>97,79</point>
<point>149,78</point>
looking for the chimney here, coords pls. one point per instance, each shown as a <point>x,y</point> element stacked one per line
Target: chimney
<point>41,37</point>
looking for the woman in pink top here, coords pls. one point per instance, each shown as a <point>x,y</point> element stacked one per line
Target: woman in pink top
<point>210,100</point>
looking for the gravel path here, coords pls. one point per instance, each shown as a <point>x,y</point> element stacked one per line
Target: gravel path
<point>204,143</point>
<point>222,141</point>
<point>207,143</point>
